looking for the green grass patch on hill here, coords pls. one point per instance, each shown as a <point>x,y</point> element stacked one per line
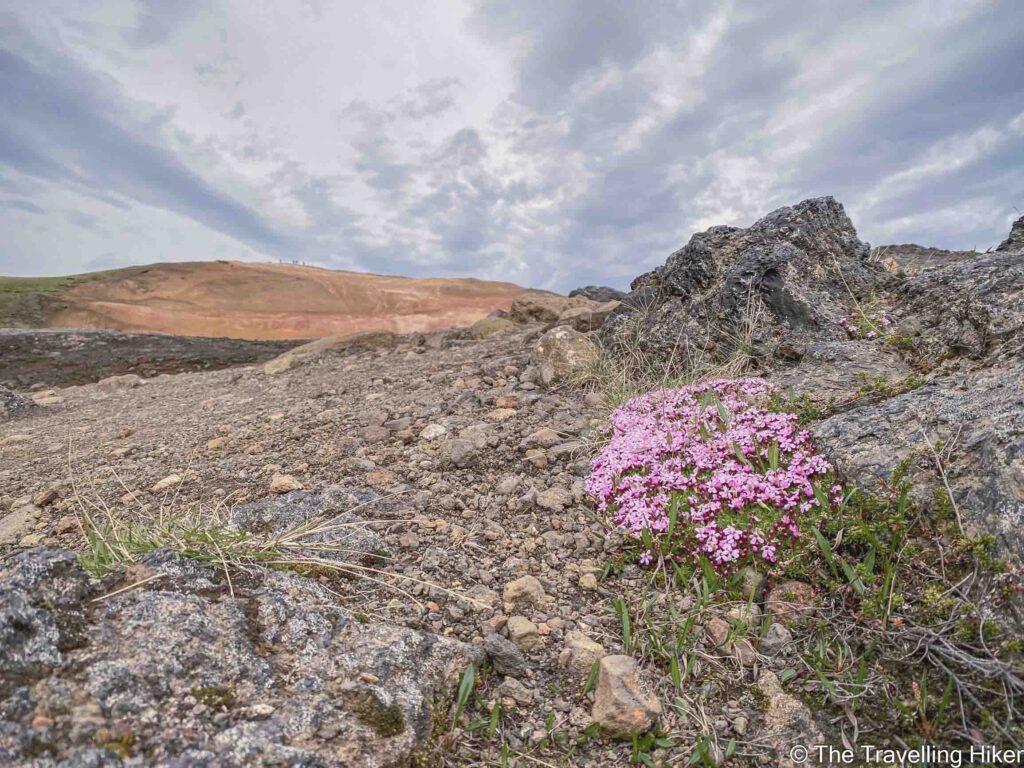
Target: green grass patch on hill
<point>22,299</point>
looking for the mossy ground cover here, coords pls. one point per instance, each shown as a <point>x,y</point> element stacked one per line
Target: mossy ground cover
<point>22,299</point>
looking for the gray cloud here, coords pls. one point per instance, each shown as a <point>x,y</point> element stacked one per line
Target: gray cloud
<point>621,129</point>
<point>64,126</point>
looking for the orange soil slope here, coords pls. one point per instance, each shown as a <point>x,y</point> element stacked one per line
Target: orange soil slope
<point>272,301</point>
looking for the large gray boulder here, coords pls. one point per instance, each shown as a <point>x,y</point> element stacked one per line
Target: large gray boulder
<point>786,280</point>
<point>945,372</point>
<point>178,672</point>
<point>965,321</point>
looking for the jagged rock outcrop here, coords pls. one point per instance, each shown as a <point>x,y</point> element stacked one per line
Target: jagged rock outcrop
<point>912,259</point>
<point>943,364</point>
<point>1015,242</point>
<point>973,308</point>
<point>965,321</point>
<point>181,673</point>
<point>787,279</point>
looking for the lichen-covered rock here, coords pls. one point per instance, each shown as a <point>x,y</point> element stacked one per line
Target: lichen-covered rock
<point>539,306</point>
<point>42,614</point>
<point>180,673</point>
<point>623,703</point>
<point>973,308</point>
<point>787,722</point>
<point>563,353</point>
<point>13,404</point>
<point>490,325</point>
<point>789,278</point>
<point>825,371</point>
<point>977,418</point>
<point>327,522</point>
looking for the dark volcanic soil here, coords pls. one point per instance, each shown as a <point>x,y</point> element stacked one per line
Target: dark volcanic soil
<point>66,357</point>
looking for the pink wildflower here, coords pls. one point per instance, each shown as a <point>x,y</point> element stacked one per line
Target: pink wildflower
<point>738,476</point>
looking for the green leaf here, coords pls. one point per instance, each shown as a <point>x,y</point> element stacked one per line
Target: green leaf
<point>787,674</point>
<point>492,726</point>
<point>673,515</point>
<point>826,550</point>
<point>465,689</point>
<point>627,631</point>
<point>595,669</point>
<point>674,672</point>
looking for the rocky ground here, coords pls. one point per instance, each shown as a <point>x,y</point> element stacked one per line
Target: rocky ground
<point>474,472</point>
<point>443,475</point>
<point>61,357</point>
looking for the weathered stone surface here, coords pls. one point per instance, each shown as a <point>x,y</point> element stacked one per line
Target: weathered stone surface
<point>786,722</point>
<point>329,522</point>
<point>13,404</point>
<point>623,703</point>
<point>330,345</point>
<point>284,484</point>
<point>598,293</point>
<point>979,414</point>
<point>539,306</point>
<point>522,632</point>
<point>835,370</point>
<point>791,602</point>
<point>777,639</point>
<point>277,675</point>
<point>973,308</point>
<point>586,319</point>
<point>524,592</point>
<point>911,259</point>
<point>562,353</point>
<point>579,654</point>
<point>42,614</point>
<point>17,522</point>
<point>795,269</point>
<point>123,381</point>
<point>505,656</point>
<point>488,326</point>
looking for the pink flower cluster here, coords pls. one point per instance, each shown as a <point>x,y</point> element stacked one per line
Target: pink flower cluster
<point>865,325</point>
<point>736,476</point>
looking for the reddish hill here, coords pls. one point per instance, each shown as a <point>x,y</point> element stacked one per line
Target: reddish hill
<point>266,301</point>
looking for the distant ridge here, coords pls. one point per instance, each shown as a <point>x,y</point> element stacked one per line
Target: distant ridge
<point>248,301</point>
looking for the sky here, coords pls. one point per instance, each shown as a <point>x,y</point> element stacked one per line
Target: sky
<point>553,143</point>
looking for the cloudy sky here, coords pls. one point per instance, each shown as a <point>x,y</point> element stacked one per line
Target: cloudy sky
<point>549,142</point>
